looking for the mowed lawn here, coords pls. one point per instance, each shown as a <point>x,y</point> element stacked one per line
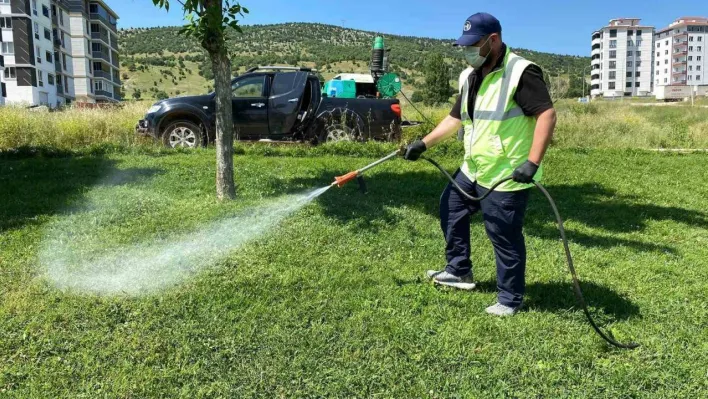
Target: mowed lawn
<point>334,302</point>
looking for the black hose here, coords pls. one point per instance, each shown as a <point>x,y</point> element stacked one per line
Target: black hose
<point>576,283</point>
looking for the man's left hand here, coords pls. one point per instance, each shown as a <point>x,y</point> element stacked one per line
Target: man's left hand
<point>525,172</point>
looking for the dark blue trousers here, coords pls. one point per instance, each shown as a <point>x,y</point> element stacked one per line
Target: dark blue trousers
<point>503,215</point>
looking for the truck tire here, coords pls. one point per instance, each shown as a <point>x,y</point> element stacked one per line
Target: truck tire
<point>340,125</point>
<point>183,134</point>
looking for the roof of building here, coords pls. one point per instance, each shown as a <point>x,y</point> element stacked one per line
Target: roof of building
<point>701,21</point>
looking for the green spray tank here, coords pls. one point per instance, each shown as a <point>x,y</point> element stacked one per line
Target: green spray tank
<point>387,84</point>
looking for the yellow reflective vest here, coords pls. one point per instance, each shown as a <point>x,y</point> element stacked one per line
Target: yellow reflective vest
<point>499,137</point>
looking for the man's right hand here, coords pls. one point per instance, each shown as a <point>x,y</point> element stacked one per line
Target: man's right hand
<point>414,150</point>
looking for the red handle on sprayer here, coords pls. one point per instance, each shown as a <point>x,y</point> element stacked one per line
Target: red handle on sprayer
<point>344,179</point>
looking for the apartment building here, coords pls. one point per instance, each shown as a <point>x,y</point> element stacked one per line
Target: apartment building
<point>621,59</point>
<point>681,54</point>
<point>59,51</point>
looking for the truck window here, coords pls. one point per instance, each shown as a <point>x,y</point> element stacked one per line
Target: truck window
<point>248,87</point>
<point>284,82</point>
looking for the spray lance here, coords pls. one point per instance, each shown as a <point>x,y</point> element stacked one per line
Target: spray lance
<point>357,174</point>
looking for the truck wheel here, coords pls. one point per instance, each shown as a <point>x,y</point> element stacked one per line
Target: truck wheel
<point>182,134</point>
<point>340,125</point>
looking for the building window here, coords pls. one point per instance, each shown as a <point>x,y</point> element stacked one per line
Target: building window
<point>657,74</point>
<point>629,84</point>
<point>637,53</point>
<point>63,40</point>
<point>45,11</point>
<point>613,43</point>
<point>629,64</point>
<point>613,54</point>
<point>48,56</point>
<point>6,22</point>
<point>630,32</point>
<point>658,44</point>
<point>690,77</point>
<point>639,33</point>
<point>38,54</point>
<point>61,17</point>
<point>666,62</point>
<point>690,38</point>
<point>96,46</point>
<point>50,79</point>
<point>10,73</point>
<point>34,7</point>
<point>690,58</point>
<point>613,74</point>
<point>700,38</point>
<point>40,77</point>
<point>690,67</point>
<point>699,49</point>
<point>698,58</point>
<point>47,34</point>
<point>629,43</point>
<point>95,28</point>
<point>636,84</point>
<point>667,43</point>
<point>666,52</point>
<point>613,64</point>
<point>8,48</point>
<point>638,43</point>
<point>611,85</point>
<point>93,8</point>
<point>63,60</point>
<point>690,48</point>
<point>66,82</point>
<point>666,70</point>
<point>698,68</point>
<point>613,33</point>
<point>698,77</point>
<point>657,63</point>
<point>629,74</point>
<point>658,53</point>
<point>36,31</point>
<point>666,80</point>
<point>629,53</point>
<point>637,74</point>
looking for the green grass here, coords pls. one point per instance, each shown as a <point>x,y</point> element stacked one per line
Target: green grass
<point>333,303</point>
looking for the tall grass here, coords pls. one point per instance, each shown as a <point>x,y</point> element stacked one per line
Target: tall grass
<point>71,129</point>
<point>596,125</point>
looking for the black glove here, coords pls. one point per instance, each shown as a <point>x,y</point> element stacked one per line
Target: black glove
<point>525,172</point>
<point>414,150</point>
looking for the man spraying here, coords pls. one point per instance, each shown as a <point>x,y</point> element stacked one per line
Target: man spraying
<point>508,121</point>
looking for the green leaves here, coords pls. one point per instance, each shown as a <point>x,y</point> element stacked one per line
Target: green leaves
<point>207,20</point>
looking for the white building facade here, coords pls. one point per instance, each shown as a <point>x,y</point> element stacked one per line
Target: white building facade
<point>681,54</point>
<point>56,51</point>
<point>621,59</point>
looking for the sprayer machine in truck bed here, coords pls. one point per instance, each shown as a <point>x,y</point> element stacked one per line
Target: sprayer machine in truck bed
<point>274,103</point>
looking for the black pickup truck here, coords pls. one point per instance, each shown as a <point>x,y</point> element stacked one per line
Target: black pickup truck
<point>274,104</point>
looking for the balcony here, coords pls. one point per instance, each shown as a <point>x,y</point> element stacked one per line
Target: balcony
<point>114,60</point>
<point>680,52</point>
<point>116,96</point>
<point>682,43</point>
<point>100,55</point>
<point>60,89</point>
<point>676,73</point>
<point>55,20</point>
<point>2,61</point>
<point>100,36</point>
<point>97,73</point>
<point>57,64</point>
<point>103,93</point>
<point>116,80</point>
<point>99,17</point>
<point>596,46</point>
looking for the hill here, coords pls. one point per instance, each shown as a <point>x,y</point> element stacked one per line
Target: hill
<point>160,60</point>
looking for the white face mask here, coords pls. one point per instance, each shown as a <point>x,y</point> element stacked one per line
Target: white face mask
<point>473,57</point>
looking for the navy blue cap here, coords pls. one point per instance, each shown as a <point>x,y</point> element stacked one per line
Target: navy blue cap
<point>476,27</point>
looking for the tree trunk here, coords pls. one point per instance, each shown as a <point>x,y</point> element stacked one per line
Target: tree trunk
<point>221,66</point>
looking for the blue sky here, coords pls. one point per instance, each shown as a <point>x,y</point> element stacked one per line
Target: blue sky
<point>545,25</point>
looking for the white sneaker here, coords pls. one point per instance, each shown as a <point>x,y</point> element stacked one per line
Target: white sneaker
<point>450,280</point>
<point>502,310</point>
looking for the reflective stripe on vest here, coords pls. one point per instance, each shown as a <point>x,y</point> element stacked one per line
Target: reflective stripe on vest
<point>499,138</point>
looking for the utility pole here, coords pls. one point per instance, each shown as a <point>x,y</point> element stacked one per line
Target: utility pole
<point>583,75</point>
